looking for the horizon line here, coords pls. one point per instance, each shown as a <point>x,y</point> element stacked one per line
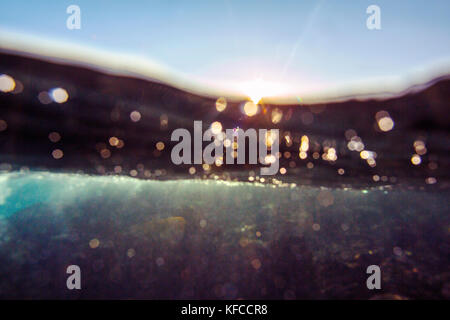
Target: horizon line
<point>126,64</point>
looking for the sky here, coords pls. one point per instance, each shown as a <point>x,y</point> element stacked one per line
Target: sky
<point>284,46</point>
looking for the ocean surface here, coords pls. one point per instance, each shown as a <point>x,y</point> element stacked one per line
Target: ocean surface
<point>212,239</point>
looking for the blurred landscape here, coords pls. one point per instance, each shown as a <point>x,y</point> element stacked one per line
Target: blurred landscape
<point>100,105</point>
<point>90,182</point>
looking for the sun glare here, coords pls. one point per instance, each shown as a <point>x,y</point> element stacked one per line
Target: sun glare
<point>258,89</point>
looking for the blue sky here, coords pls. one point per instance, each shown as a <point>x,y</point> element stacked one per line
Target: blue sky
<point>300,43</point>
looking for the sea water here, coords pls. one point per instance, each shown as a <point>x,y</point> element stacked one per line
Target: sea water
<point>137,238</point>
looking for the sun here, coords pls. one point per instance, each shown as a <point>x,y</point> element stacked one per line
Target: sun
<point>258,89</point>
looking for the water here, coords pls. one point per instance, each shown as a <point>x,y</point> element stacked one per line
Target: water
<point>212,239</point>
<point>140,226</point>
